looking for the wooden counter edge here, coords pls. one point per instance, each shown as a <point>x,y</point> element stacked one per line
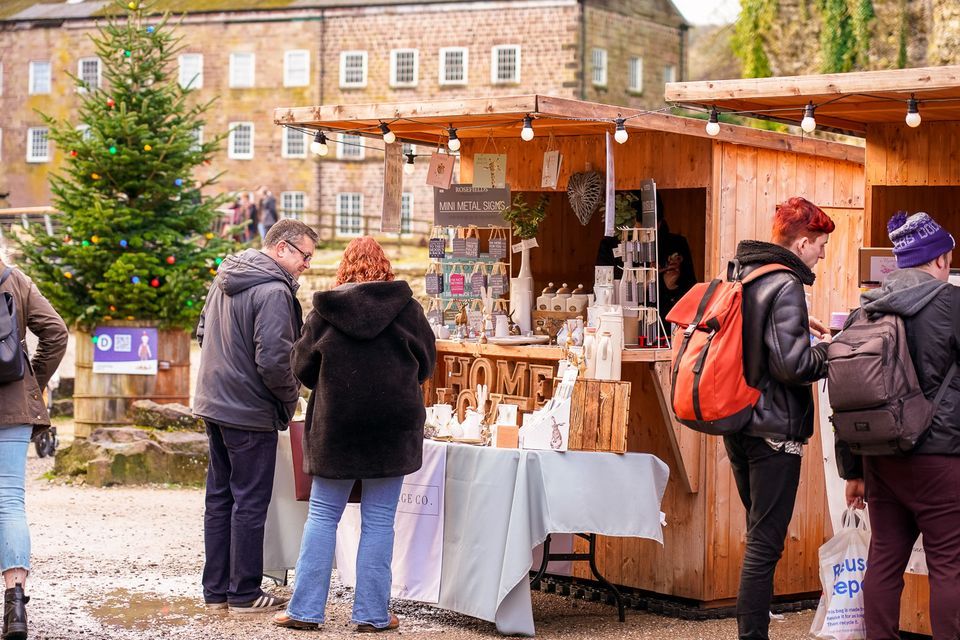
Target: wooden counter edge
<point>541,352</point>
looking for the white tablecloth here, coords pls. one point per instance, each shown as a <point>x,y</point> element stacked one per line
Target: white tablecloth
<point>500,504</point>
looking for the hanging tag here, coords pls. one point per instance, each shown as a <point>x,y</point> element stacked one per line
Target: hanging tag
<point>618,252</point>
<point>529,243</point>
<point>440,172</point>
<point>490,170</point>
<point>517,248</point>
<point>551,169</point>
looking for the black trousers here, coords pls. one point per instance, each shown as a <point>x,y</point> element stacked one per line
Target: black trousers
<point>239,486</point>
<point>767,482</point>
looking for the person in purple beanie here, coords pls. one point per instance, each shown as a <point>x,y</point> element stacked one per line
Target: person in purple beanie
<point>919,492</point>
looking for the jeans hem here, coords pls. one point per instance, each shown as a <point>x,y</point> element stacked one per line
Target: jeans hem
<point>300,618</point>
<point>372,624</point>
<point>16,566</point>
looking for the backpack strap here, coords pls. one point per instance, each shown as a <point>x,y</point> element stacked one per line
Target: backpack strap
<point>759,272</point>
<point>6,274</point>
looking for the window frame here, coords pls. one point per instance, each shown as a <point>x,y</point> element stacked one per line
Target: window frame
<point>672,69</point>
<point>285,144</point>
<point>31,81</point>
<point>83,88</point>
<point>442,67</point>
<point>602,66</point>
<point>232,153</point>
<point>340,214</point>
<point>198,143</point>
<point>195,82</point>
<point>285,211</point>
<point>287,80</point>
<point>495,64</point>
<point>343,69</point>
<point>32,159</point>
<point>393,68</point>
<point>408,196</point>
<point>638,87</point>
<point>342,145</point>
<point>234,71</point>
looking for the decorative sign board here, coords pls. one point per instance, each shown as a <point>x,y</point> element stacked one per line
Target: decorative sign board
<point>125,350</point>
<point>463,205</point>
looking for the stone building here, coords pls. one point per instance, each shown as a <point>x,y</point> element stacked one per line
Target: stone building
<point>254,56</point>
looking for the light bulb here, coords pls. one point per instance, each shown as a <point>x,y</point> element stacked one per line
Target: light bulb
<point>389,137</point>
<point>319,144</point>
<point>913,113</point>
<point>408,166</point>
<point>527,132</point>
<point>713,124</point>
<point>620,135</point>
<point>808,124</point>
<point>454,142</point>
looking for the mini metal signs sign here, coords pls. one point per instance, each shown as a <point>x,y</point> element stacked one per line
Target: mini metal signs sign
<point>463,205</point>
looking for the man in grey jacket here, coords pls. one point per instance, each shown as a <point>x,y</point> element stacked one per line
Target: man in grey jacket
<point>246,391</point>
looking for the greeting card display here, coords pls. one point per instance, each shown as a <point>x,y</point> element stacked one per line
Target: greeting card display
<point>551,169</point>
<point>489,170</point>
<point>440,172</point>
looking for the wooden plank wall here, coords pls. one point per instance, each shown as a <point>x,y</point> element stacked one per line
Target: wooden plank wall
<point>675,161</point>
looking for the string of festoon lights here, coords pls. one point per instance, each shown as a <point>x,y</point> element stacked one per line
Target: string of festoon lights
<point>808,122</point>
<point>320,146</point>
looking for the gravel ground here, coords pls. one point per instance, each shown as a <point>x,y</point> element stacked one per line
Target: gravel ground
<point>125,563</point>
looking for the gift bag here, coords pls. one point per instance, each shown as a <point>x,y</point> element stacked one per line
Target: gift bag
<point>472,242</point>
<point>434,284</point>
<point>498,244</point>
<point>475,318</point>
<point>440,172</point>
<point>843,561</point>
<point>490,170</point>
<point>478,278</point>
<point>434,312</point>
<point>450,311</point>
<point>460,244</point>
<point>498,281</point>
<point>438,244</point>
<point>457,281</point>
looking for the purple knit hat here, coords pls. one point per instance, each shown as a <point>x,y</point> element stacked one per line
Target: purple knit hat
<point>917,239</point>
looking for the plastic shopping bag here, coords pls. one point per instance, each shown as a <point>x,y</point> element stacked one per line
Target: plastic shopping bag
<point>843,561</point>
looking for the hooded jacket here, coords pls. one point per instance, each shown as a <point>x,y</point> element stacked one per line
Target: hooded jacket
<point>930,309</point>
<point>366,349</point>
<point>21,401</point>
<point>247,328</point>
<point>778,358</point>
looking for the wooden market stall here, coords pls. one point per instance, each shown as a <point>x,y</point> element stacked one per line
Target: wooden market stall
<point>716,191</point>
<point>908,168</point>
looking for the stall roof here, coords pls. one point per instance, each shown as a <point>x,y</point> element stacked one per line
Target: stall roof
<point>846,102</point>
<point>426,122</point>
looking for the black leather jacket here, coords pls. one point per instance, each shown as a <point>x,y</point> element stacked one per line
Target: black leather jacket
<point>778,357</point>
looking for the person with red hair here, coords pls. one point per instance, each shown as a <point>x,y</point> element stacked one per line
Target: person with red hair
<point>780,361</point>
<point>365,350</point>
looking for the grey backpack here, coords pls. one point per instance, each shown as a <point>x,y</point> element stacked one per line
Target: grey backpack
<point>12,358</point>
<point>878,405</point>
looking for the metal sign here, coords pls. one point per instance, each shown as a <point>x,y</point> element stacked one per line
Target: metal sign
<point>463,205</point>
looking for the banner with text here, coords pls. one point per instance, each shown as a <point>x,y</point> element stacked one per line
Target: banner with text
<point>463,205</point>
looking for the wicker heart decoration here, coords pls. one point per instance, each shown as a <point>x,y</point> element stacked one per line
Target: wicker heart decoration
<point>585,191</point>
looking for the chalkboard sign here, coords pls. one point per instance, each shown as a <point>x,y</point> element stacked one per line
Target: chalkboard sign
<point>463,205</point>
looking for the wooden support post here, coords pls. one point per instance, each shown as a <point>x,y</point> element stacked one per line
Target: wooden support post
<point>686,443</point>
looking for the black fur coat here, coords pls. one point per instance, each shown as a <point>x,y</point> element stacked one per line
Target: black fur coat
<point>365,350</point>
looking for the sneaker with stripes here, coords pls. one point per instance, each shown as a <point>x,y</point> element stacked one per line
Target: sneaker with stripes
<point>265,602</point>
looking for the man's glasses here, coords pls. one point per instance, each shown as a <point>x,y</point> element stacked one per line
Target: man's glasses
<point>307,257</point>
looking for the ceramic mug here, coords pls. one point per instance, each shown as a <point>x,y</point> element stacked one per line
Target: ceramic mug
<point>503,327</point>
<point>472,424</point>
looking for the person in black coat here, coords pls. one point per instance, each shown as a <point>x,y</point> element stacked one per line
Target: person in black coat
<point>365,350</point>
<point>778,360</point>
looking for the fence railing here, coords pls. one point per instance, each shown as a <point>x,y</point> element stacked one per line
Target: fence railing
<point>16,221</point>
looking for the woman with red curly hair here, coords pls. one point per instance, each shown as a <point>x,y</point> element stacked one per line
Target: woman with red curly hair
<point>365,350</point>
<point>780,361</point>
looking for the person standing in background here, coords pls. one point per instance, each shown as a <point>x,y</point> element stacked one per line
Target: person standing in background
<point>22,413</point>
<point>266,210</point>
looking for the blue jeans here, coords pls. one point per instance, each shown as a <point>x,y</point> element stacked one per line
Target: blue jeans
<point>14,534</point>
<point>378,508</point>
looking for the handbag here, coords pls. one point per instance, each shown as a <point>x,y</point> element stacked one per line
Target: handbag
<point>302,481</point>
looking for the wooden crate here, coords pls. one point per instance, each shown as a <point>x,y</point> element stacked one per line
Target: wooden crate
<point>598,416</point>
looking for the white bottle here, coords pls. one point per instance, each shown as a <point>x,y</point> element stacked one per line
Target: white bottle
<point>590,352</point>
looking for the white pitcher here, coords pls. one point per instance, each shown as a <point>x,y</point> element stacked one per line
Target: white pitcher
<point>611,327</point>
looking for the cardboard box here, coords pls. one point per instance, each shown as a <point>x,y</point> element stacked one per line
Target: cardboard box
<point>876,263</point>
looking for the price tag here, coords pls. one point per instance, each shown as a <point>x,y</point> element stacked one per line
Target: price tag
<point>517,248</point>
<point>618,252</point>
<point>530,243</point>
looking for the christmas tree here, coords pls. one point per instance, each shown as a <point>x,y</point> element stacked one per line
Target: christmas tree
<point>136,237</point>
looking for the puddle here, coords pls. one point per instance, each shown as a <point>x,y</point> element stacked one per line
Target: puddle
<point>142,611</point>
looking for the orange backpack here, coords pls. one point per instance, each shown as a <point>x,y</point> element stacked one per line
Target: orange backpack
<point>710,391</point>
